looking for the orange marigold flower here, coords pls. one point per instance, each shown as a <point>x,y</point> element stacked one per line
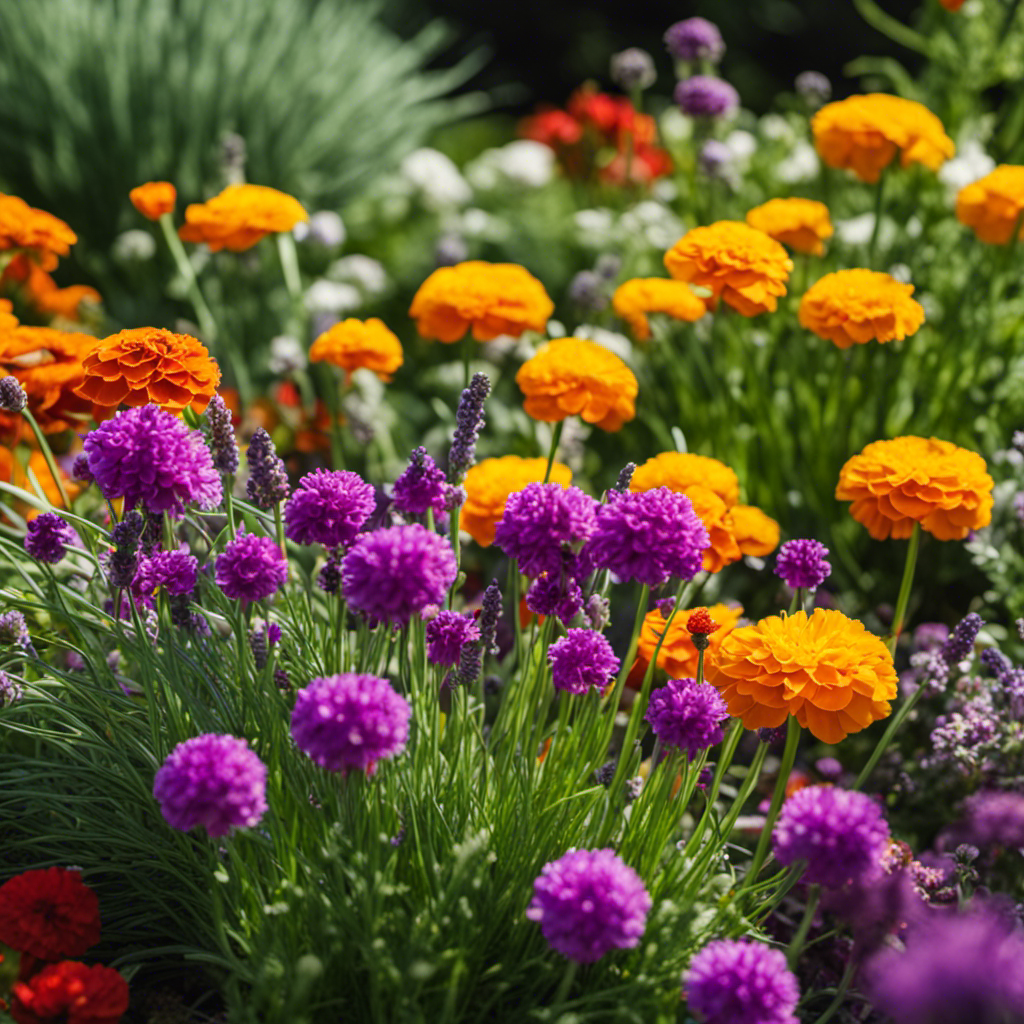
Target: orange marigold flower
<point>863,133</point>
<point>7,317</point>
<point>756,533</point>
<point>42,291</point>
<point>802,224</point>
<point>853,307</point>
<point>678,655</point>
<point>738,263</point>
<point>714,514</point>
<point>894,484</point>
<point>700,621</point>
<point>240,216</point>
<point>38,233</point>
<point>154,199</point>
<point>825,669</point>
<point>488,485</point>
<point>679,470</point>
<point>149,364</point>
<point>570,376</point>
<point>489,298</point>
<point>635,299</point>
<point>359,344</point>
<point>992,206</point>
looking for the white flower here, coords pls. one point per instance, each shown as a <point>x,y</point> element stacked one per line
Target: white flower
<point>777,129</point>
<point>367,273</point>
<point>134,245</point>
<point>742,145</point>
<point>857,230</point>
<point>611,340</point>
<point>524,162</point>
<point>286,354</point>
<point>436,178</point>
<point>476,223</point>
<point>665,190</point>
<point>675,125</point>
<point>970,164</point>
<point>801,164</point>
<point>324,228</point>
<point>654,221</point>
<point>594,227</point>
<point>325,296</point>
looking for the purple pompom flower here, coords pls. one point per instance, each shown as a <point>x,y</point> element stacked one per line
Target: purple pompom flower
<point>447,633</point>
<point>555,594</point>
<point>48,538</point>
<point>706,96</point>
<point>649,537</point>
<point>80,471</point>
<point>175,571</point>
<point>250,568</point>
<point>589,902</point>
<point>212,780</point>
<point>328,508</point>
<point>994,818</point>
<point>839,832</point>
<point>732,981</point>
<point>580,660</point>
<point>633,69</point>
<point>150,458</point>
<point>350,721</point>
<point>688,715</point>
<point>801,563</point>
<point>421,488</point>
<point>695,39</point>
<point>392,574</point>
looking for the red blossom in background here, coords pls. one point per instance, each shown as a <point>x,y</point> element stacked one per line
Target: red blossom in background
<point>49,914</point>
<point>71,993</point>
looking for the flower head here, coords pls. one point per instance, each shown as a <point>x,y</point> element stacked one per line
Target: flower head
<point>487,298</point>
<point>12,394</point>
<point>469,421</point>
<point>994,818</point>
<point>801,563</point>
<point>40,234</point>
<point>813,88</point>
<point>680,470</point>
<point>894,484</point>
<point>826,669</point>
<point>421,487</point>
<point>688,715</point>
<point>447,633</point>
<point>706,96</point>
<point>154,199</point>
<point>328,508</point>
<point>10,693</point>
<point>48,538</point>
<point>695,39</point>
<point>589,902</point>
<point>240,216</point>
<point>150,458</point>
<point>756,532</point>
<point>212,780</point>
<point>268,479</point>
<point>739,264</point>
<point>556,593</point>
<point>570,376</point>
<point>723,548</point>
<point>350,721</point>
<point>50,914</point>
<point>582,659</point>
<point>802,224</point>
<point>991,207</point>
<point>392,574</point>
<point>732,981</point>
<point>250,568</point>
<point>700,621</point>
<point>359,344</point>
<point>841,834</point>
<point>73,993</point>
<point>174,571</point>
<point>637,298</point>
<point>633,69</point>
<point>223,445</point>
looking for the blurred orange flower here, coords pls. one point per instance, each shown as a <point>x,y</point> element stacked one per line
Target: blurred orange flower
<point>802,224</point>
<point>356,344</point>
<point>489,298</point>
<point>634,299</point>
<point>679,470</point>
<point>240,216</point>
<point>42,292</point>
<point>756,533</point>
<point>717,521</point>
<point>154,199</point>
<point>992,206</point>
<point>12,471</point>
<point>40,234</point>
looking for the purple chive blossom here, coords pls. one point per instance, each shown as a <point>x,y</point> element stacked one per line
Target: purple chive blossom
<point>840,833</point>
<point>961,642</point>
<point>469,419</point>
<point>582,660</point>
<point>392,574</point>
<point>706,96</point>
<point>695,39</point>
<point>267,485</point>
<point>633,69</point>
<point>589,291</point>
<point>589,902</point>
<point>175,571</point>
<point>124,559</point>
<point>715,160</point>
<point>802,564</point>
<point>687,715</point>
<point>649,537</point>
<point>250,568</point>
<point>222,437</point>
<point>10,691</point>
<point>733,981</point>
<point>80,471</point>
<point>995,818</point>
<point>151,458</point>
<point>421,488</point>
<point>542,523</point>
<point>350,721</point>
<point>813,87</point>
<point>555,594</point>
<point>328,508</point>
<point>447,633</point>
<point>828,768</point>
<point>48,538</point>
<point>12,395</point>
<point>212,780</point>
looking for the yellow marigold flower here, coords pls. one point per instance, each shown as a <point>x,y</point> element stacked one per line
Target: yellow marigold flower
<point>864,133</point>
<point>635,299</point>
<point>488,485</point>
<point>894,484</point>
<point>154,199</point>
<point>40,234</point>
<point>570,377</point>
<point>853,307</point>
<point>489,298</point>
<point>240,216</point>
<point>828,671</point>
<point>149,364</point>
<point>356,344</point>
<point>679,470</point>
<point>992,206</point>
<point>738,263</point>
<point>802,224</point>
<point>678,656</point>
<point>756,533</point>
<point>715,516</point>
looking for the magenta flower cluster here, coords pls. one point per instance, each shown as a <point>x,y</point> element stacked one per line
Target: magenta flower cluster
<point>706,96</point>
<point>175,571</point>
<point>328,508</point>
<point>48,538</point>
<point>688,715</point>
<point>250,568</point>
<point>802,563</point>
<point>581,660</point>
<point>421,488</point>
<point>695,39</point>
<point>447,633</point>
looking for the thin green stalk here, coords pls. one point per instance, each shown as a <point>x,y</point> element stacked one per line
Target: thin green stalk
<point>290,270</point>
<point>905,586</point>
<point>840,996</point>
<point>891,27</point>
<point>51,462</point>
<point>556,436</point>
<point>879,209</point>
<point>883,744</point>
<point>797,944</point>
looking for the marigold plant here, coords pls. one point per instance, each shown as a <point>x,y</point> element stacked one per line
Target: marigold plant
<point>359,344</point>
<point>240,216</point>
<point>36,232</point>
<point>487,298</point>
<point>802,224</point>
<point>853,307</point>
<point>154,199</point>
<point>714,514</point>
<point>679,470</point>
<point>739,264</point>
<point>992,206</point>
<point>756,532</point>
<point>41,291</point>
<point>635,299</point>
<point>894,484</point>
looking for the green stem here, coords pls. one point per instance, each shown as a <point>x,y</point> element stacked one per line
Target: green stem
<point>793,953</point>
<point>467,356</point>
<point>556,436</point>
<point>883,744</point>
<point>290,269</point>
<point>879,208</point>
<point>890,27</point>
<point>905,586</point>
<point>207,323</point>
<point>51,462</point>
<point>840,996</point>
<point>563,989</point>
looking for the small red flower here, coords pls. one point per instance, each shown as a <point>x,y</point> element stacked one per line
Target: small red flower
<point>700,621</point>
<point>71,993</point>
<point>49,914</point>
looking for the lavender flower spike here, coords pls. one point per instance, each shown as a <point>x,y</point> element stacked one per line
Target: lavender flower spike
<point>222,437</point>
<point>469,419</point>
<point>268,479</point>
<point>12,395</point>
<point>961,643</point>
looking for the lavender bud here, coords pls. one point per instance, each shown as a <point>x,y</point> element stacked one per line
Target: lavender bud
<point>489,617</point>
<point>469,419</point>
<point>625,476</point>
<point>124,559</point>
<point>258,646</point>
<point>471,662</point>
<point>222,437</point>
<point>813,88</point>
<point>633,69</point>
<point>12,395</point>
<point>961,642</point>
<point>282,680</point>
<point>329,577</point>
<point>267,485</point>
<point>80,471</point>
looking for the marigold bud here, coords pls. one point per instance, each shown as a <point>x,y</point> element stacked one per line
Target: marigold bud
<point>700,622</point>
